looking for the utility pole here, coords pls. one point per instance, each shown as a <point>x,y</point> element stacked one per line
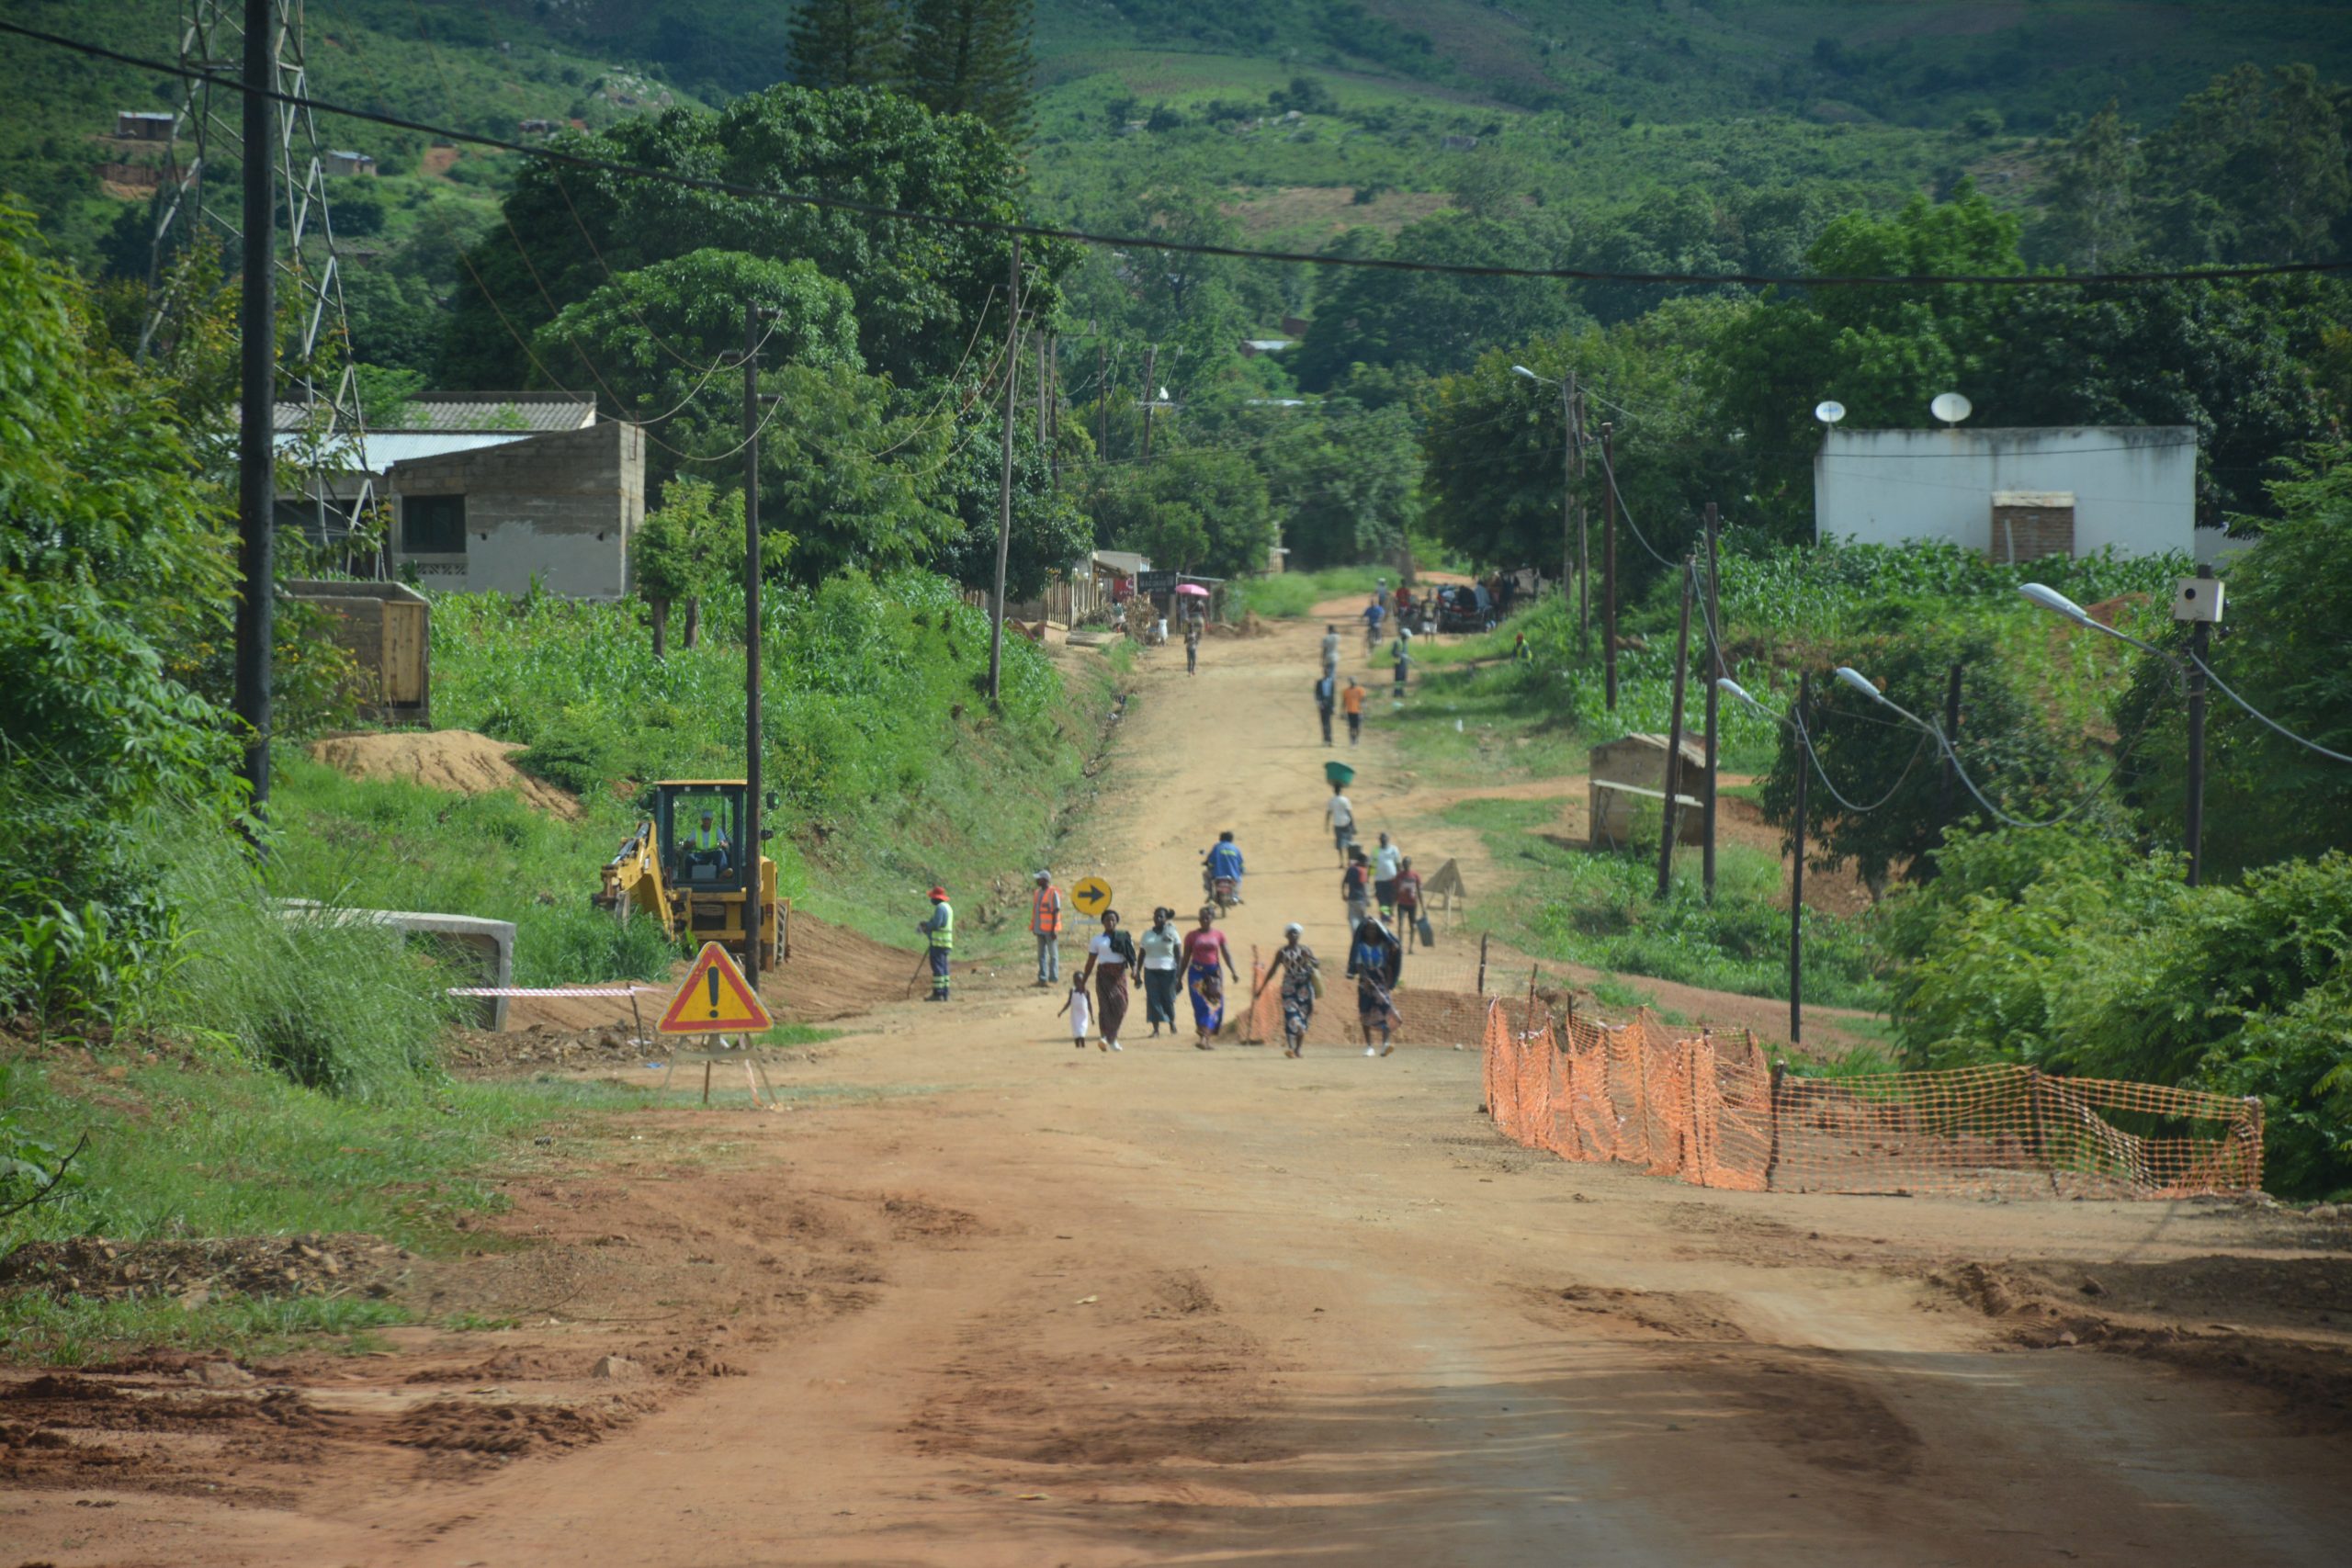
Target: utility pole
<point>257,416</point>
<point>2201,634</point>
<point>1666,823</point>
<point>1951,779</point>
<point>1716,672</point>
<point>1608,567</point>
<point>1567,483</point>
<point>749,854</point>
<point>1102,402</point>
<point>1004,484</point>
<point>1043,341</point>
<point>1150,395</point>
<point>1796,872</point>
<point>1584,547</point>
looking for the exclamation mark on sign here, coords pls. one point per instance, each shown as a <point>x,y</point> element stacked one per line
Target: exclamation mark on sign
<point>711,975</point>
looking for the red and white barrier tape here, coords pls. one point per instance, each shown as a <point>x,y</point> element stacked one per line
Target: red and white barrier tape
<point>554,990</point>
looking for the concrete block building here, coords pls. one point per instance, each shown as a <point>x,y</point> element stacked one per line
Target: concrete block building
<point>559,508</point>
<point>2012,494</point>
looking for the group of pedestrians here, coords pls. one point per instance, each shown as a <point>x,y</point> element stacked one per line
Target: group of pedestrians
<point>1173,962</point>
<point>1331,697</point>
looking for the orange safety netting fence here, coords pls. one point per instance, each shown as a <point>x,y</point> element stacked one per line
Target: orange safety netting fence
<point>1710,1110</point>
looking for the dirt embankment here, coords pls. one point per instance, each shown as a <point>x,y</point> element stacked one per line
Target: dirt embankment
<point>457,760</point>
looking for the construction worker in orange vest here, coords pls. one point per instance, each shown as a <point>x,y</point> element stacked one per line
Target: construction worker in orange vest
<point>1045,925</point>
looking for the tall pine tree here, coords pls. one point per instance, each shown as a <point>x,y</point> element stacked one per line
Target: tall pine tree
<point>972,57</point>
<point>847,43</point>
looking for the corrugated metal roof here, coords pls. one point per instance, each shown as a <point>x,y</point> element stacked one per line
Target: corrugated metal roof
<point>379,449</point>
<point>521,414</point>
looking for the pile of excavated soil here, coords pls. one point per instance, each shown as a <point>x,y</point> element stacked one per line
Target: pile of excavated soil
<point>191,1271</point>
<point>457,760</point>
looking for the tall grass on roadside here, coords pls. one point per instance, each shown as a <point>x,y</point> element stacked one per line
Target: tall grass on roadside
<point>318,994</point>
<point>1296,593</point>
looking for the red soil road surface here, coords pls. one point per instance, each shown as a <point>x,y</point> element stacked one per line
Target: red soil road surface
<point>1013,1304</point>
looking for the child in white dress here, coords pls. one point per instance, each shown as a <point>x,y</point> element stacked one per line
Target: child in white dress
<point>1080,1007</point>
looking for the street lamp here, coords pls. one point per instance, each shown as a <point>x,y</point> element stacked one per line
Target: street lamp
<point>1796,870</point>
<point>2208,610</point>
<point>1571,515</point>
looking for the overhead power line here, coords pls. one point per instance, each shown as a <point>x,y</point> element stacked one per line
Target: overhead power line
<point>1178,247</point>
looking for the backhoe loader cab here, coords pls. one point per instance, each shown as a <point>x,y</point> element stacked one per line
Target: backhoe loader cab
<point>688,865</point>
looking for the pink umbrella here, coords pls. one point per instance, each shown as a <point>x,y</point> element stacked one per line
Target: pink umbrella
<point>1192,591</point>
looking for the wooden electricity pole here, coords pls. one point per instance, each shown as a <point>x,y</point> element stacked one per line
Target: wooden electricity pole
<point>1584,545</point>
<point>1608,567</point>
<point>1666,817</point>
<point>1005,483</point>
<point>1716,672</point>
<point>1150,395</point>
<point>747,854</point>
<point>1796,869</point>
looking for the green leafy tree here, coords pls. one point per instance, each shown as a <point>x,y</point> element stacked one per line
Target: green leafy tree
<point>847,43</point>
<point>114,567</point>
<point>920,293</point>
<point>2255,168</point>
<point>971,56</point>
<point>1496,441</point>
<point>2289,600</point>
<point>1345,482</point>
<point>688,546</point>
<point>653,341</point>
<point>1877,761</point>
<point>2091,216</point>
<point>1438,321</point>
<point>1203,511</point>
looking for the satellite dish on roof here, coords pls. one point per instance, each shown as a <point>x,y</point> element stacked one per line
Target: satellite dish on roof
<point>1951,407</point>
<point>1829,412</point>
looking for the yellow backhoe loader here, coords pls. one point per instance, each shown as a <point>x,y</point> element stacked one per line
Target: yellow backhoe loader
<point>686,865</point>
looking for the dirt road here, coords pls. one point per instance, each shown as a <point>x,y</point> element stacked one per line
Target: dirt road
<point>998,1302</point>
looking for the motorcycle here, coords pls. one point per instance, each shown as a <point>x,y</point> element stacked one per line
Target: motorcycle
<point>1221,891</point>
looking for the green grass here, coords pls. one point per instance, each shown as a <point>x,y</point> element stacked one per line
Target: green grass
<point>1600,908</point>
<point>43,1330</point>
<point>178,1150</point>
<point>1295,593</point>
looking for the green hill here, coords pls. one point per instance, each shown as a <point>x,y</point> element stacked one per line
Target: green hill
<point>1652,129</point>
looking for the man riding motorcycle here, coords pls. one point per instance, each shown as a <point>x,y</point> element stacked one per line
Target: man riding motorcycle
<point>1222,864</point>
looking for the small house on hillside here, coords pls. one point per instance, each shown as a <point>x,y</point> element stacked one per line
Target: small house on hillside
<point>343,161</point>
<point>142,125</point>
<point>2012,494</point>
<point>557,509</point>
<point>1627,781</point>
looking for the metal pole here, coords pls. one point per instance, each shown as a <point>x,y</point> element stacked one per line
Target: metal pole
<point>751,855</point>
<point>1668,826</point>
<point>1796,872</point>
<point>256,414</point>
<point>1609,565</point>
<point>1004,485</point>
<point>2199,641</point>
<point>1716,672</point>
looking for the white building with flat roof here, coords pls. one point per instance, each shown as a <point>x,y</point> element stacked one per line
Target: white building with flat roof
<point>2013,494</point>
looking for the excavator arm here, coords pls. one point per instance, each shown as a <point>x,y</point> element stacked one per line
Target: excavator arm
<point>632,880</point>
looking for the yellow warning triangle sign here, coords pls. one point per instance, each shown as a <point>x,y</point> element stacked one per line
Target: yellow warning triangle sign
<point>715,1000</point>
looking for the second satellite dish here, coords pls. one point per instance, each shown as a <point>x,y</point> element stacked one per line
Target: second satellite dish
<point>1829,412</point>
<point>1951,407</point>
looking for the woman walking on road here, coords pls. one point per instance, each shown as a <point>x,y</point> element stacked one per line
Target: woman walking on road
<point>1295,962</point>
<point>1162,947</point>
<point>1374,959</point>
<point>1207,959</point>
<point>1355,887</point>
<point>1109,959</point>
